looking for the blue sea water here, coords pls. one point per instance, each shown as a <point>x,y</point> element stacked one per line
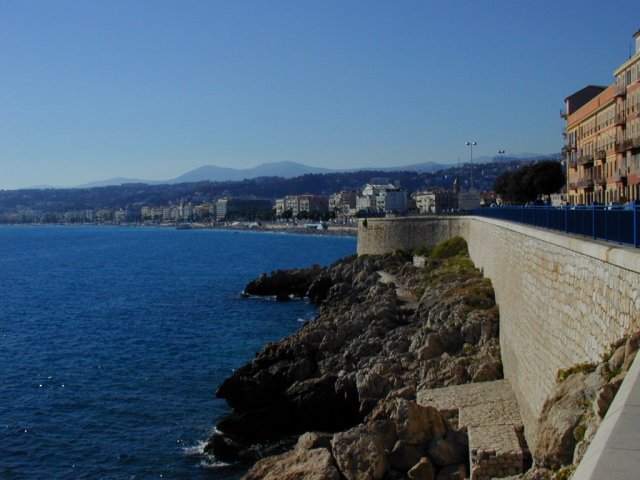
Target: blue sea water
<point>114,340</point>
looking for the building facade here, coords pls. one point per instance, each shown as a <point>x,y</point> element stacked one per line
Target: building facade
<point>296,204</point>
<point>602,138</point>
<point>436,202</point>
<point>382,198</point>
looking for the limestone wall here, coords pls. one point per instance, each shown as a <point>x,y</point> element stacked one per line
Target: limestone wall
<point>562,299</point>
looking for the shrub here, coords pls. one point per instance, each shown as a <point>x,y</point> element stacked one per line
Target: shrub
<point>450,248</point>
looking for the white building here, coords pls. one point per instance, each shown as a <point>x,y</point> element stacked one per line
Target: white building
<point>382,198</point>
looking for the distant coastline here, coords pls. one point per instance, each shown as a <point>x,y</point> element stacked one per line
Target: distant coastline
<point>273,227</point>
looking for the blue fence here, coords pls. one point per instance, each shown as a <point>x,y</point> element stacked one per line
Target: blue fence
<point>617,224</point>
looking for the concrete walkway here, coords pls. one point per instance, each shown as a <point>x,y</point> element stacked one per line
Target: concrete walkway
<point>488,411</point>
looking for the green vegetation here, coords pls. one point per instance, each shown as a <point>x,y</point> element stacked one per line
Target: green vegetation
<point>529,182</point>
<point>564,473</point>
<point>586,367</point>
<point>456,246</point>
<point>449,263</point>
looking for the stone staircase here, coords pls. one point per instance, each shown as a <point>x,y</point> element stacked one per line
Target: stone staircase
<point>488,411</point>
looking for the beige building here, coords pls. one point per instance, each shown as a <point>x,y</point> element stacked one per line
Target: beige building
<point>602,138</point>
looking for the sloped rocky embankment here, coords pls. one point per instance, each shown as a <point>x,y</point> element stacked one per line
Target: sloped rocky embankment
<point>354,371</point>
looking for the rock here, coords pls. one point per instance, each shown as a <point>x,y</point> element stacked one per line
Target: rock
<point>403,456</point>
<point>487,372</point>
<point>432,347</point>
<point>561,414</point>
<point>446,451</point>
<point>603,400</point>
<point>417,424</point>
<point>311,440</point>
<point>359,357</point>
<point>386,430</point>
<point>454,472</point>
<point>224,448</point>
<point>283,283</point>
<point>360,454</point>
<point>372,385</point>
<point>423,470</point>
<point>299,464</point>
<point>617,359</point>
<point>632,344</point>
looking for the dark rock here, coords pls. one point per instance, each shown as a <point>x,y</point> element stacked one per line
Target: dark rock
<point>404,456</point>
<point>422,470</point>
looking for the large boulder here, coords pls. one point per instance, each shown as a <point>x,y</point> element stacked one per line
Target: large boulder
<point>360,454</point>
<point>298,464</point>
<point>561,413</point>
<point>282,283</point>
<point>417,424</point>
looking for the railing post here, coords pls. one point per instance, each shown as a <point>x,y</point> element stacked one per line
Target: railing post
<point>635,225</point>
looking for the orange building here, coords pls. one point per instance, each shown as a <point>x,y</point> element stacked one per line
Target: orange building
<point>602,138</point>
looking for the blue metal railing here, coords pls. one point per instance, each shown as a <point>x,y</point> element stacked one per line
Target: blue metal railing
<point>618,223</point>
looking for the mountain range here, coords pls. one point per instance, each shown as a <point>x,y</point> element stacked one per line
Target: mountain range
<point>285,170</point>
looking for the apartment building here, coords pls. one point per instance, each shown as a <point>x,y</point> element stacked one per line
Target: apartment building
<point>382,198</point>
<point>436,201</point>
<point>316,204</point>
<point>227,208</point>
<point>602,138</point>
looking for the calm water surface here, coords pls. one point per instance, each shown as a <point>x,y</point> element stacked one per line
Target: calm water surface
<point>113,341</point>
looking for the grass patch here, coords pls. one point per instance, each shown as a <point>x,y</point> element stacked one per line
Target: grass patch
<point>564,473</point>
<point>586,367</point>
<point>455,246</point>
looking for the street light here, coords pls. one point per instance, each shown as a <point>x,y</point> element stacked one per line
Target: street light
<point>470,145</point>
<point>501,153</point>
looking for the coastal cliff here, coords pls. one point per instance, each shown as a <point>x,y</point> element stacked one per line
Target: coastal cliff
<point>385,330</point>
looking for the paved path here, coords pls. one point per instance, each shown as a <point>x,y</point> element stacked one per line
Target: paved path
<point>488,411</point>
<point>402,292</point>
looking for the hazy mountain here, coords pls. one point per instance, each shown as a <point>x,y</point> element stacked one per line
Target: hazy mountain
<point>116,181</point>
<point>223,174</point>
<point>214,173</point>
<point>418,167</point>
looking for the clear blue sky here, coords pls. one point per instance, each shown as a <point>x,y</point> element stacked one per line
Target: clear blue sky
<point>91,90</point>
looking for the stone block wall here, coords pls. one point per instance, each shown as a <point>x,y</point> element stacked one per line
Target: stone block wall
<point>563,300</point>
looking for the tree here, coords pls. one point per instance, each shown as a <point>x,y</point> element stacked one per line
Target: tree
<point>530,181</point>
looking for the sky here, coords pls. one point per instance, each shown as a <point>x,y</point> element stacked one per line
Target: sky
<point>150,89</point>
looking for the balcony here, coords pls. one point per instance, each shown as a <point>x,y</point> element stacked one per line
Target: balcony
<point>621,118</point>
<point>600,179</point>
<point>619,179</point>
<point>573,186</point>
<point>619,148</point>
<point>572,163</point>
<point>585,183</point>
<point>621,91</point>
<point>563,114</point>
<point>601,154</point>
<point>585,159</point>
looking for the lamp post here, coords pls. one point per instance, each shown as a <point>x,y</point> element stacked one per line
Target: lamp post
<point>470,145</point>
<point>501,153</point>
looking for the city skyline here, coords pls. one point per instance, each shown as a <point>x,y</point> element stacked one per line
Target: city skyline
<point>154,89</point>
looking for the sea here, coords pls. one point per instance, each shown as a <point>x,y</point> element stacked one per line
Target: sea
<point>113,341</point>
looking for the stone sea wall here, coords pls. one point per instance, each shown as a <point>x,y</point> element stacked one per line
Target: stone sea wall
<point>563,300</point>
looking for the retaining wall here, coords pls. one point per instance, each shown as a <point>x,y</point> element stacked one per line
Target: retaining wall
<point>563,300</point>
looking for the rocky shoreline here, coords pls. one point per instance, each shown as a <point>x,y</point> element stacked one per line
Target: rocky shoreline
<point>340,397</point>
<point>374,343</point>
